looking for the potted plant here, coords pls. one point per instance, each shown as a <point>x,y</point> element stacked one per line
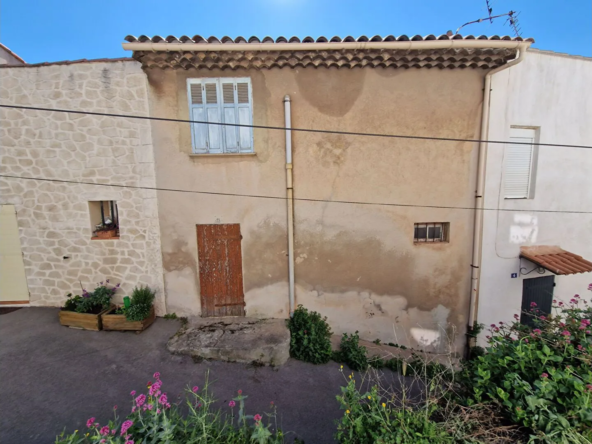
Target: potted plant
<point>107,230</point>
<point>136,314</point>
<point>85,311</point>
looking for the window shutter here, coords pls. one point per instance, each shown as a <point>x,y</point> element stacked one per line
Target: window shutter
<point>230,114</point>
<point>245,113</point>
<point>199,130</point>
<point>213,114</point>
<point>518,167</point>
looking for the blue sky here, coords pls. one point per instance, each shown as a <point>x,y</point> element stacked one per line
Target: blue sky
<point>42,30</point>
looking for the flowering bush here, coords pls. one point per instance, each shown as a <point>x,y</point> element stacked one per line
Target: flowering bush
<point>92,302</point>
<point>310,336</point>
<point>154,419</point>
<point>542,375</point>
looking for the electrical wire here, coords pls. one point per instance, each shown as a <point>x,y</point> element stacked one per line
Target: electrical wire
<point>306,130</point>
<point>302,199</point>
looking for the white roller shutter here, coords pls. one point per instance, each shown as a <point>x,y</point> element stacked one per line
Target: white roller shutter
<point>519,164</point>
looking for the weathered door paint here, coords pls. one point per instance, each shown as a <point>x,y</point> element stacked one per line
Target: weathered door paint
<point>13,282</point>
<point>220,270</point>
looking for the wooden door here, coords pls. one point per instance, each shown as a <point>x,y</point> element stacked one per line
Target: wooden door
<point>220,270</point>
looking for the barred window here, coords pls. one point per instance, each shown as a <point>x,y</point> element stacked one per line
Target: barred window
<point>431,232</point>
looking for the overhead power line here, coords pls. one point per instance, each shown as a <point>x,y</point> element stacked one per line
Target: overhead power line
<point>306,130</point>
<point>303,199</point>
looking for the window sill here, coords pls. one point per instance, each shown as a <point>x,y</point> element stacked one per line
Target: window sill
<point>104,238</point>
<point>220,155</point>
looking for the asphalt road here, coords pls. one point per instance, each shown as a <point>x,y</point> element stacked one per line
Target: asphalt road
<point>53,377</point>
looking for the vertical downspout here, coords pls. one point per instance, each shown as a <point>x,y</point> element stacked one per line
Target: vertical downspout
<point>480,191</point>
<point>289,200</point>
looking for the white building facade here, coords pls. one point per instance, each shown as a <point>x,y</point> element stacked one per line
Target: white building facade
<point>536,195</point>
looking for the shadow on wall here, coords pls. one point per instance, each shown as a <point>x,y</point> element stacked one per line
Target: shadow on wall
<point>357,282</point>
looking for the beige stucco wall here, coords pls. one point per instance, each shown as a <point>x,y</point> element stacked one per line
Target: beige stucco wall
<point>53,217</point>
<point>356,264</point>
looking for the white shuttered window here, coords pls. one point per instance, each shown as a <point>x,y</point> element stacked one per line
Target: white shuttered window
<point>221,100</point>
<point>519,168</point>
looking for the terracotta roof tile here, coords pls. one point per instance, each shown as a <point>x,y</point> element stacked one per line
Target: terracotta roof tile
<point>556,260</point>
<point>321,39</point>
<point>445,58</point>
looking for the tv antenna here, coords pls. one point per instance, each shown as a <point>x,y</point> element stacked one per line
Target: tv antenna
<point>512,19</point>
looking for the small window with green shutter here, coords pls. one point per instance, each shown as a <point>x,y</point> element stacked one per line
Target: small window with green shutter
<point>222,115</point>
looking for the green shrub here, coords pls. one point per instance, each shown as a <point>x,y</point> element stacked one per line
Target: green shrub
<point>370,419</point>
<point>91,302</point>
<point>156,419</point>
<point>310,336</point>
<point>352,353</point>
<point>542,376</point>
<point>140,305</point>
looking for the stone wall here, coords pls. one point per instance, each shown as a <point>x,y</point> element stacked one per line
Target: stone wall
<point>53,217</point>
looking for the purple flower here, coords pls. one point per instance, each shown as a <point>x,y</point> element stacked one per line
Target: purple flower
<point>163,398</point>
<point>125,426</point>
<point>117,286</point>
<point>141,400</point>
<point>195,389</point>
<point>90,422</point>
<point>133,393</point>
<point>492,325</point>
<point>107,281</point>
<point>231,404</point>
<point>104,430</point>
<point>156,375</point>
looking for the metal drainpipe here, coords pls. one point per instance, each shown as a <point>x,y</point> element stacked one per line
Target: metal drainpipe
<point>290,200</point>
<point>480,191</point>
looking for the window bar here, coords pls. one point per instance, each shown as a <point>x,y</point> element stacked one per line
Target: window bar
<point>102,213</point>
<point>112,210</point>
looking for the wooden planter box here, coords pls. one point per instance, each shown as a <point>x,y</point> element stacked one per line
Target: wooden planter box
<point>85,321</point>
<point>118,321</point>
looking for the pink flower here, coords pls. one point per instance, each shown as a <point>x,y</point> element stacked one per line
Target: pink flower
<point>526,340</point>
<point>141,400</point>
<point>585,322</point>
<point>501,323</point>
<point>102,441</point>
<point>492,325</point>
<point>587,332</point>
<point>257,417</point>
<point>104,430</point>
<point>560,304</point>
<point>231,404</point>
<point>543,318</point>
<point>562,324</point>
<point>90,422</point>
<point>113,431</point>
<point>129,441</point>
<point>163,398</point>
<point>168,405</point>
<point>114,407</point>
<point>565,333</point>
<point>133,393</point>
<point>195,389</point>
<point>533,304</point>
<point>577,296</point>
<point>580,348</point>
<point>158,411</point>
<point>133,409</point>
<point>496,329</point>
<point>156,375</point>
<point>240,392</point>
<point>516,317</point>
<point>149,406</point>
<point>537,331</point>
<point>544,375</point>
<point>125,426</point>
<point>589,387</point>
<point>581,327</point>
